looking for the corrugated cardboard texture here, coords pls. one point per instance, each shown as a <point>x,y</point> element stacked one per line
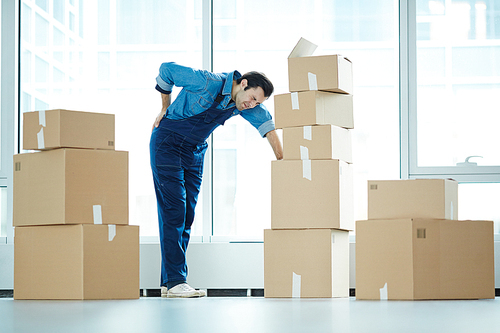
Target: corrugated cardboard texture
<point>319,256</point>
<point>315,108</point>
<point>333,73</point>
<point>325,201</point>
<point>69,129</point>
<point>415,198</point>
<point>48,263</point>
<point>76,262</point>
<point>425,259</point>
<point>328,142</point>
<point>384,255</point>
<point>61,186</point>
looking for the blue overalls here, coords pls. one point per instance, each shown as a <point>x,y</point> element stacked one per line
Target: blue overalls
<point>177,150</point>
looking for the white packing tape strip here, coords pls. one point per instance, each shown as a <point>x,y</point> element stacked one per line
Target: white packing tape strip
<point>313,83</point>
<point>383,293</point>
<point>296,284</point>
<point>111,232</point>
<point>308,135</point>
<point>41,139</point>
<point>97,214</point>
<point>304,153</point>
<point>295,100</point>
<point>41,118</point>
<point>306,169</point>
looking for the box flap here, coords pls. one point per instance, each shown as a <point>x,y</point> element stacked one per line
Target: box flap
<point>303,48</point>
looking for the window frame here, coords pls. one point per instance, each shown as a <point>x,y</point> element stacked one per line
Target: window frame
<point>9,89</point>
<point>408,113</point>
<point>409,168</point>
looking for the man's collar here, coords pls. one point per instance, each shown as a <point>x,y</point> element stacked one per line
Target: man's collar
<point>228,85</point>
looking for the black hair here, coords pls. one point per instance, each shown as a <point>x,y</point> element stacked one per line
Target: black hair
<point>257,79</point>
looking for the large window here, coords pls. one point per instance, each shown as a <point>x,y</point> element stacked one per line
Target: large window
<point>259,35</point>
<point>104,56</point>
<point>8,90</point>
<point>458,81</point>
<point>454,105</point>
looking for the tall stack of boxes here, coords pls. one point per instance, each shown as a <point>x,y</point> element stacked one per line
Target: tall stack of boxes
<point>412,246</point>
<point>72,238</point>
<point>306,251</point>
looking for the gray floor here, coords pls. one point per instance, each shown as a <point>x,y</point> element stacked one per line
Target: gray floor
<point>249,314</point>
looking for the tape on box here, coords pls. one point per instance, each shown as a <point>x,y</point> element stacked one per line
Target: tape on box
<point>306,169</point>
<point>295,100</point>
<point>304,153</point>
<point>41,139</point>
<point>296,284</point>
<point>308,133</point>
<point>41,118</point>
<point>111,232</point>
<point>97,210</point>
<point>313,83</point>
<point>383,293</point>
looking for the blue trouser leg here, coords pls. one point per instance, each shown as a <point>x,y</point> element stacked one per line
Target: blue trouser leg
<point>177,171</point>
<point>192,177</point>
<point>171,219</point>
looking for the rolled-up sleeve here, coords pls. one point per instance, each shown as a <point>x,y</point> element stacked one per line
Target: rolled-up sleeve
<point>260,118</point>
<point>163,86</point>
<point>266,127</point>
<point>172,74</point>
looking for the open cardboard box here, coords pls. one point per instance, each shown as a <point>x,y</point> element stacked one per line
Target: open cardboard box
<point>326,72</point>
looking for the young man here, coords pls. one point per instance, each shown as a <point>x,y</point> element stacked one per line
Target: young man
<point>178,145</point>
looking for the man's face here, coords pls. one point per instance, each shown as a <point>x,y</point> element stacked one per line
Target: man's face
<point>247,99</point>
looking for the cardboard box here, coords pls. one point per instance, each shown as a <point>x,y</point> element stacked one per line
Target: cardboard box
<point>68,129</point>
<point>312,194</point>
<point>306,263</point>
<point>326,72</point>
<point>71,186</point>
<point>413,198</point>
<point>320,142</point>
<point>76,262</point>
<point>411,259</point>
<point>313,108</point>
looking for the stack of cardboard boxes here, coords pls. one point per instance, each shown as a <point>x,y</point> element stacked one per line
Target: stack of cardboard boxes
<point>72,238</point>
<point>413,247</point>
<point>306,251</point>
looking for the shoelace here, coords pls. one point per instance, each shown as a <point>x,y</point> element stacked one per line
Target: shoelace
<point>186,287</point>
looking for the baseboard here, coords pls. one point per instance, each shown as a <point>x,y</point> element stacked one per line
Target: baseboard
<point>214,292</point>
<point>210,293</point>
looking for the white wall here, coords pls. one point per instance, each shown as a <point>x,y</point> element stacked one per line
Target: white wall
<point>211,265</point>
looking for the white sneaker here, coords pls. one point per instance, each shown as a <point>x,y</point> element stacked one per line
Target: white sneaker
<point>182,290</point>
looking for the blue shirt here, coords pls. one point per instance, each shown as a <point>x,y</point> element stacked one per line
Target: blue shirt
<point>199,91</point>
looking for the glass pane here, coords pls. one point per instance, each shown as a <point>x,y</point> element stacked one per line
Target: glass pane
<point>59,12</point>
<point>26,23</point>
<point>249,38</point>
<point>458,71</point>
<point>0,100</point>
<point>43,4</point>
<point>161,22</point>
<point>41,31</point>
<point>99,73</point>
<point>479,202</point>
<point>3,212</point>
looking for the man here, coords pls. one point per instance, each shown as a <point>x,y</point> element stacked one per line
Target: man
<point>178,145</point>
